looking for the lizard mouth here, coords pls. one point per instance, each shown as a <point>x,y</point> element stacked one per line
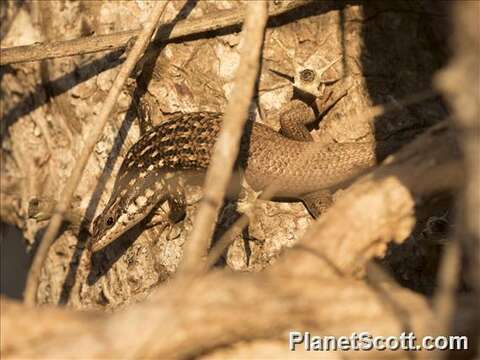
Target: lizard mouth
<point>95,245</point>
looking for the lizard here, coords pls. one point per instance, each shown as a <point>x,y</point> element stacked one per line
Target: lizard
<point>297,166</point>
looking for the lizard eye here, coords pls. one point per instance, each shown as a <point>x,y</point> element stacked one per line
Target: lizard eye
<point>109,221</point>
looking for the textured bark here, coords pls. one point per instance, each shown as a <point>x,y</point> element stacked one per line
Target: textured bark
<point>390,50</point>
<point>194,76</point>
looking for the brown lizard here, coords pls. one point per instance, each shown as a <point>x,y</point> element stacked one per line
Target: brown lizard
<point>295,165</point>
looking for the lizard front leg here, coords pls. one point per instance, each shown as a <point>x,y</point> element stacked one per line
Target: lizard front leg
<point>176,212</point>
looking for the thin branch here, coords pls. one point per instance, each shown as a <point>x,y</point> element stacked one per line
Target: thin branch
<point>227,145</point>
<point>91,44</point>
<point>71,185</point>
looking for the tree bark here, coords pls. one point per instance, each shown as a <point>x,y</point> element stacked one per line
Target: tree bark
<point>326,283</point>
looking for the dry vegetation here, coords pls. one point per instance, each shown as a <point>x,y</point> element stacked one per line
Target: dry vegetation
<point>397,251</point>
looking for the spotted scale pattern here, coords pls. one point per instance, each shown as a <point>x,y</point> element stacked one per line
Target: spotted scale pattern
<point>149,171</point>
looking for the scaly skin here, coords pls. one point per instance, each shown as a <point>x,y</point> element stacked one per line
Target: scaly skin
<point>185,143</point>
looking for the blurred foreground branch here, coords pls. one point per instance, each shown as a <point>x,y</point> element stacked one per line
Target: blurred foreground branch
<point>302,291</point>
<point>460,82</point>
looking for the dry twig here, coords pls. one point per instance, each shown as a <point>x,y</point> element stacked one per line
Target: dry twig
<point>227,145</point>
<point>63,204</point>
<point>86,45</point>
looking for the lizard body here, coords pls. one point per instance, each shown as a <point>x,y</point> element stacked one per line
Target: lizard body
<point>185,143</point>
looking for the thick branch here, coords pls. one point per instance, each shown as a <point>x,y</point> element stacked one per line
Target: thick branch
<point>265,306</point>
<point>296,293</point>
<point>379,207</point>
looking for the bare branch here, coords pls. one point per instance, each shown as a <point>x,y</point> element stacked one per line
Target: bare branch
<point>265,306</point>
<point>86,45</point>
<point>227,145</point>
<point>71,185</point>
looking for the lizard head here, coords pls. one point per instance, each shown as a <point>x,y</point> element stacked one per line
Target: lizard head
<point>114,221</point>
<point>107,227</point>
